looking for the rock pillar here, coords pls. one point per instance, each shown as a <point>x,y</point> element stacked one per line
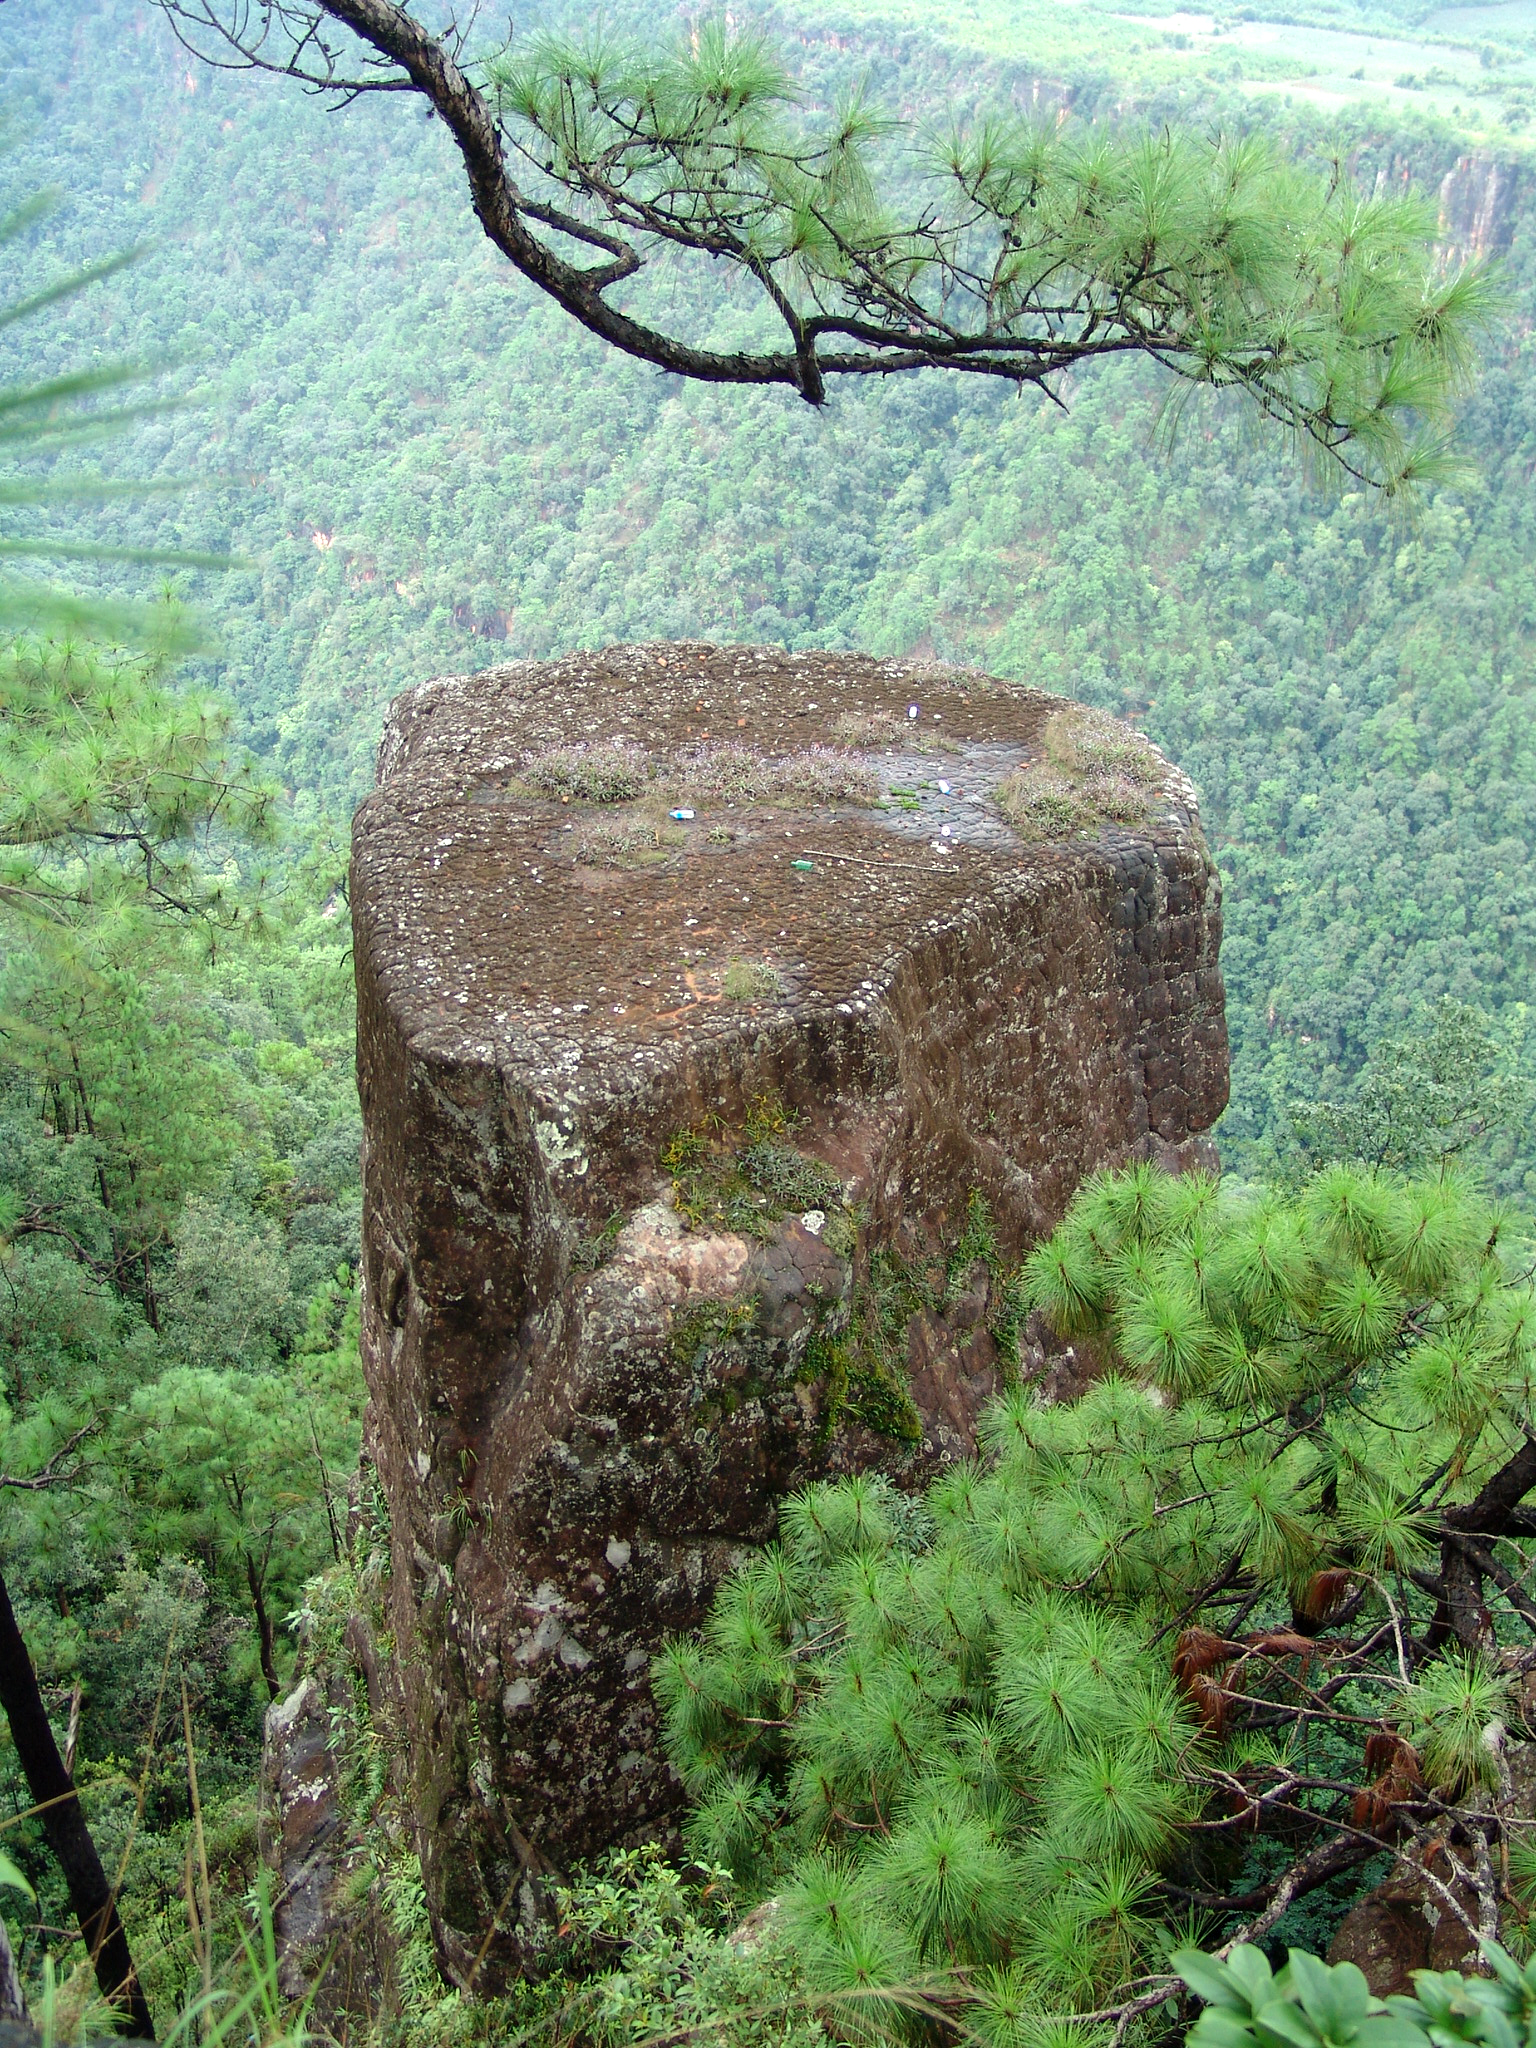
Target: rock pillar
<point>729,1022</point>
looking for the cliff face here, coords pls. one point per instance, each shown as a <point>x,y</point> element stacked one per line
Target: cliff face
<point>1479,204</point>
<point>701,993</point>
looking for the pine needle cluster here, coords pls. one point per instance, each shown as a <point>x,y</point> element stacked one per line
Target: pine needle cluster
<point>1012,247</point>
<point>965,1738</point>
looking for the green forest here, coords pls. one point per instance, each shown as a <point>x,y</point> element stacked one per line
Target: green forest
<point>309,442</point>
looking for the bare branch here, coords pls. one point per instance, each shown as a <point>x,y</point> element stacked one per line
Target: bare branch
<point>281,37</point>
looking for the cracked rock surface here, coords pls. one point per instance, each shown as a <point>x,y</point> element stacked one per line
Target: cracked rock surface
<point>673,1125</point>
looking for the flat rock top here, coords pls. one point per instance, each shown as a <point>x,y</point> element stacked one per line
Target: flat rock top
<point>597,854</point>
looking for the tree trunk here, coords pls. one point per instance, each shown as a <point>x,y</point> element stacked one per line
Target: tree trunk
<point>69,1838</point>
<point>263,1626</point>
<point>1461,1610</point>
<point>151,1299</point>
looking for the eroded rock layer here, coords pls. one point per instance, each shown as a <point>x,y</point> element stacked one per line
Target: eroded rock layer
<point>729,1022</point>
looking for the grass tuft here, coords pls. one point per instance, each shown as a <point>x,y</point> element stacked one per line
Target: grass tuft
<point>1091,771</point>
<point>752,981</point>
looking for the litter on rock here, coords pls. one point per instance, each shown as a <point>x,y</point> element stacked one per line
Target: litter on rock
<point>943,789</point>
<point>682,817</point>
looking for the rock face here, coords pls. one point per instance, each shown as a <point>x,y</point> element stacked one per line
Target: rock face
<point>1479,203</point>
<point>333,1953</point>
<point>721,1045</point>
<point>301,1824</point>
<point>1401,1927</point>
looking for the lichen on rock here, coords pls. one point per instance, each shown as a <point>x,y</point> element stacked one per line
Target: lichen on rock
<point>649,1241</point>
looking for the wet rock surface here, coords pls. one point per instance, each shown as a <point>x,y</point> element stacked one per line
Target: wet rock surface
<point>721,1047</point>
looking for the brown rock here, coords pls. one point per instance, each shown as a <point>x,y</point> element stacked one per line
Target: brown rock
<point>302,1831</point>
<point>953,1368</point>
<point>335,1947</point>
<point>300,1812</point>
<point>1387,1938</point>
<point>1405,1925</point>
<point>581,1408</point>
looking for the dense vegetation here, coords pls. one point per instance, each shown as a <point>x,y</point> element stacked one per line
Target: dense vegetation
<point>412,496</point>
<point>1148,1666</point>
<point>178,1203</point>
<point>415,467</point>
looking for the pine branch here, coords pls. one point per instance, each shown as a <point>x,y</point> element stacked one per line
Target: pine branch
<point>1035,257</point>
<point>50,1473</point>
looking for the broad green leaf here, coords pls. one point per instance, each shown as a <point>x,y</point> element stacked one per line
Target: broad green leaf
<point>1383,2030</point>
<point>1283,2025</point>
<point>1335,1999</point>
<point>1221,2027</point>
<point>1211,1980</point>
<point>1250,1970</point>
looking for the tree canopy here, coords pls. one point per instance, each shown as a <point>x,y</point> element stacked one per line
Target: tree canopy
<point>1015,249</point>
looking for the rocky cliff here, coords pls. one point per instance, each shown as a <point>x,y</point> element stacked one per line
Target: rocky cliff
<point>728,1023</point>
<point>1480,200</point>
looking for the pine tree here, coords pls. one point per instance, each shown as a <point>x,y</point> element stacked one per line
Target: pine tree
<point>107,781</point>
<point>976,1740</point>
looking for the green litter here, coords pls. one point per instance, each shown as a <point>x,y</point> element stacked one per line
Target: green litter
<point>806,867</point>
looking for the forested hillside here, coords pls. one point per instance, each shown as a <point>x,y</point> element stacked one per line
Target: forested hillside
<point>424,470</point>
<point>415,467</point>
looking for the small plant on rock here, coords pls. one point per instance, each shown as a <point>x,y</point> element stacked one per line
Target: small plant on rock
<point>751,981</point>
<point>588,773</point>
<point>1091,769</point>
<point>644,1952</point>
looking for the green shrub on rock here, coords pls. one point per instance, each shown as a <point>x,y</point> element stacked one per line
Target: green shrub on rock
<point>1004,1741</point>
<point>644,1953</point>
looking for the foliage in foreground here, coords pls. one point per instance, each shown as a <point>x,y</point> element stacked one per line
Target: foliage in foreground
<point>1028,1729</point>
<point>641,1952</point>
<point>144,1304</point>
<point>1309,2004</point>
<point>178,1230</point>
